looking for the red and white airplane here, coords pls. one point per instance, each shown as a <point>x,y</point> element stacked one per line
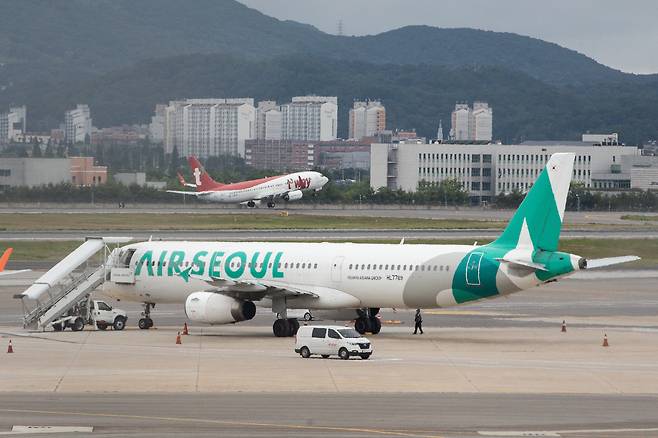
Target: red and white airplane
<point>288,187</point>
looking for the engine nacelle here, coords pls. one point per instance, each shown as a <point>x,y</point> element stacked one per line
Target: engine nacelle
<point>212,308</point>
<point>293,196</point>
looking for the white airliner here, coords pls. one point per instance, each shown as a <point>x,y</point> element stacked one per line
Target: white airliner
<point>3,262</point>
<point>288,187</point>
<point>220,282</point>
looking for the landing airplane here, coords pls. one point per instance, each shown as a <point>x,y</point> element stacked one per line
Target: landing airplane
<point>220,282</point>
<point>3,262</point>
<point>288,187</point>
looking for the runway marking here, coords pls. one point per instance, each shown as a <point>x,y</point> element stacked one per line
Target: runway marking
<point>558,433</point>
<point>21,430</point>
<point>224,422</point>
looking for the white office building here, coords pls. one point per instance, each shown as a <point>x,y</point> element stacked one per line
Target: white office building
<point>472,124</point>
<point>366,119</point>
<point>310,118</point>
<point>13,124</point>
<point>209,127</point>
<point>157,125</point>
<point>268,121</point>
<point>77,124</point>
<point>486,170</point>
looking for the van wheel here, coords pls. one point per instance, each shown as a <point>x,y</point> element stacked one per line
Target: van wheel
<point>343,353</point>
<point>365,356</point>
<point>305,352</point>
<point>78,324</point>
<point>119,323</point>
<point>325,356</point>
<point>308,316</point>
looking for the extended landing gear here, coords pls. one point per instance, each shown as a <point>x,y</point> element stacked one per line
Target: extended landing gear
<point>146,322</point>
<point>367,322</point>
<point>271,204</point>
<point>285,327</point>
<point>251,204</point>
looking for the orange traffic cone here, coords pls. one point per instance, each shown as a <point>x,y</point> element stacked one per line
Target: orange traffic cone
<point>178,340</point>
<point>605,340</point>
<point>10,348</point>
<point>185,331</point>
<point>564,326</point>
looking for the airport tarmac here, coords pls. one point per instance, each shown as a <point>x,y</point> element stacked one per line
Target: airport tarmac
<point>363,210</point>
<point>497,368</point>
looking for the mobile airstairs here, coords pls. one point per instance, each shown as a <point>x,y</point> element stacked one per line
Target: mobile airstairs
<point>65,290</point>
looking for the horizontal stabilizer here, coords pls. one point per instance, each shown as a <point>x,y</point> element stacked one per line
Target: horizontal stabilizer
<point>181,192</point>
<point>524,263</point>
<point>600,263</point>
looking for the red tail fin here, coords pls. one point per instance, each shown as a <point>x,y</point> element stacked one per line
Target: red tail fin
<point>202,180</point>
<point>5,258</point>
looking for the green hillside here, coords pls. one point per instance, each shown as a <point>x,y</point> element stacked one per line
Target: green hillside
<point>415,96</point>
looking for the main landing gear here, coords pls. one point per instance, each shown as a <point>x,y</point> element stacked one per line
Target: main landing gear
<point>367,322</point>
<point>285,327</point>
<point>146,322</point>
<point>251,204</point>
<point>271,204</point>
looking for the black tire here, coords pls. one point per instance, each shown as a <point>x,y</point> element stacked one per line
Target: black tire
<point>150,322</point>
<point>101,326</point>
<point>361,325</point>
<point>119,323</point>
<point>325,356</point>
<point>78,325</point>
<point>281,328</point>
<point>294,326</point>
<point>308,316</point>
<point>343,353</point>
<point>143,324</point>
<point>305,352</point>
<point>58,327</point>
<point>375,325</point>
<point>365,356</point>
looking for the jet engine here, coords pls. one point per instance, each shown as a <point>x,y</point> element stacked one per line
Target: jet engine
<point>293,196</point>
<point>213,308</point>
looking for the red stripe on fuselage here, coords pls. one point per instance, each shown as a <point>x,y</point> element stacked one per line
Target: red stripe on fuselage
<point>244,184</point>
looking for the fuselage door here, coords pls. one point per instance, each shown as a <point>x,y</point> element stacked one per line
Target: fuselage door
<point>473,269</point>
<point>337,268</point>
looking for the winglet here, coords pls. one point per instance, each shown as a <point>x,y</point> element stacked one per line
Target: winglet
<point>5,258</point>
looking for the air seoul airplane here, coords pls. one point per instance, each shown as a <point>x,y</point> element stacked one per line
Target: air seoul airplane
<point>221,282</point>
<point>3,262</point>
<point>288,187</point>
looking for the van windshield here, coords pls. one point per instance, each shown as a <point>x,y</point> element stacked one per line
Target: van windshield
<point>349,333</point>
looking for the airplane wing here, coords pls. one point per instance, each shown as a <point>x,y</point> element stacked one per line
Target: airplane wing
<point>609,261</point>
<point>6,273</point>
<point>182,192</point>
<point>256,290</point>
<point>3,262</point>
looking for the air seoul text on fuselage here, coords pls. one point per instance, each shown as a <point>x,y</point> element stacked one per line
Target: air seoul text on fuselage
<point>214,264</point>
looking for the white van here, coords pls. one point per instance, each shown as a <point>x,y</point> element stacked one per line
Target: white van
<point>327,340</point>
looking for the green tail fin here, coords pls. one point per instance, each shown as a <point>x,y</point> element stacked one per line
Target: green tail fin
<point>542,209</point>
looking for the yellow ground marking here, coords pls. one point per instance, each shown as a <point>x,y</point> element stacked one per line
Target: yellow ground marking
<point>224,422</point>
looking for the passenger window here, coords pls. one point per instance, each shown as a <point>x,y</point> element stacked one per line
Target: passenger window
<point>368,265</point>
<point>380,267</point>
<point>319,333</point>
<point>350,266</point>
<point>297,266</point>
<point>333,334</point>
<point>398,267</point>
<point>422,267</point>
<point>315,266</point>
<point>286,265</point>
<point>386,267</point>
<point>303,265</point>
<point>363,267</point>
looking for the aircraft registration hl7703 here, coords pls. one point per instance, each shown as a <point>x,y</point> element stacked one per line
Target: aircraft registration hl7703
<point>221,282</point>
<point>288,187</point>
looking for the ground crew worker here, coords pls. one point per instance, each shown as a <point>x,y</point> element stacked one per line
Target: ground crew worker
<point>419,322</point>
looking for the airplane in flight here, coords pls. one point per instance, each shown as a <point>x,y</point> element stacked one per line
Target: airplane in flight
<point>288,187</point>
<point>221,282</point>
<point>3,262</point>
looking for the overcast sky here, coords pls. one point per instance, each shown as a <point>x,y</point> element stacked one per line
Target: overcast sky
<point>621,34</point>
